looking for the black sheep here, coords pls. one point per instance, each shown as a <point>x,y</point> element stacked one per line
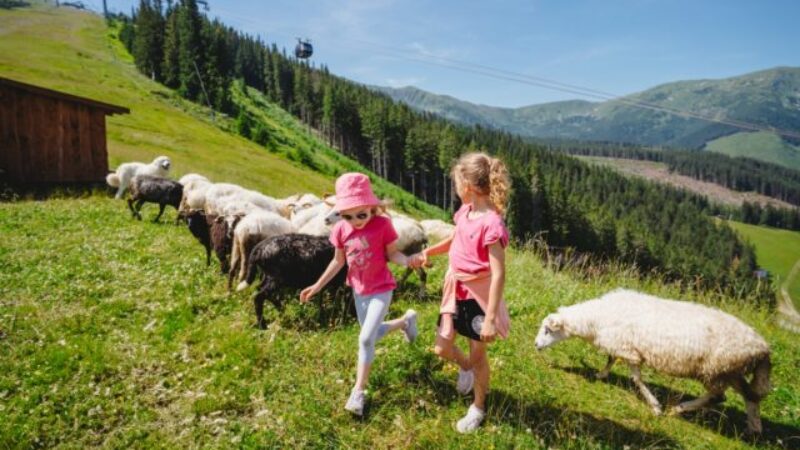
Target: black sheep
<point>211,231</point>
<point>147,188</point>
<point>288,261</point>
<point>200,229</point>
<point>221,240</point>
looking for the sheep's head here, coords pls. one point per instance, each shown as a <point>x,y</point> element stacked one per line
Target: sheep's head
<point>162,162</point>
<point>231,221</point>
<point>551,332</point>
<point>332,217</point>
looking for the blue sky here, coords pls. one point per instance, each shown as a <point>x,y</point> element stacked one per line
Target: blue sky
<point>617,46</point>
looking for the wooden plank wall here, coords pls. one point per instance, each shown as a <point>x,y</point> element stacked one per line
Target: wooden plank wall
<point>50,140</point>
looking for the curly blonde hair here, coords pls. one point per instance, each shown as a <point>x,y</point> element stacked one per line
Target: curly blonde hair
<point>486,175</point>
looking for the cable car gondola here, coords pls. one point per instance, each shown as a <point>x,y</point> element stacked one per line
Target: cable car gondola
<point>303,50</point>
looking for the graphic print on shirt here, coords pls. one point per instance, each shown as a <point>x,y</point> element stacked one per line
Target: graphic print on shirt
<point>358,252</point>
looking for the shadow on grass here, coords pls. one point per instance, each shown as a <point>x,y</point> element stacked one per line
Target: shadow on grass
<point>725,420</point>
<point>554,425</point>
<point>326,310</point>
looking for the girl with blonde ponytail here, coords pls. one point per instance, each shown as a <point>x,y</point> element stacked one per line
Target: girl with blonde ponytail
<point>472,296</point>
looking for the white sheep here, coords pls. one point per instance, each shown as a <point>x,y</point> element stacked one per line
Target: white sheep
<point>194,185</point>
<point>437,230</point>
<point>122,177</point>
<point>192,177</point>
<point>215,196</point>
<point>248,231</point>
<point>682,339</point>
<point>297,202</point>
<point>411,239</point>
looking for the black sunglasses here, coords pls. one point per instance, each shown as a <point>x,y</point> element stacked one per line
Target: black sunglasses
<point>359,216</point>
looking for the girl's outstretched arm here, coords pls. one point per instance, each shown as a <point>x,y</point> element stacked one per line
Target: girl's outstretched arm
<point>497,265</point>
<point>421,259</point>
<point>395,255</point>
<point>333,268</point>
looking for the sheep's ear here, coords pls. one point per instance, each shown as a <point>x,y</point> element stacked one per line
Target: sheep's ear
<point>331,204</point>
<point>219,219</point>
<point>554,322</point>
<point>290,207</point>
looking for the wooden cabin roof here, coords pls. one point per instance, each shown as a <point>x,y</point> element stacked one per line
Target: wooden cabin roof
<point>108,108</point>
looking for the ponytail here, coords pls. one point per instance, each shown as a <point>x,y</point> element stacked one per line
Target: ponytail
<point>498,184</point>
<point>487,175</point>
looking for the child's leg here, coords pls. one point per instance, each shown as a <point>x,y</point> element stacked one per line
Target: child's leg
<point>371,310</point>
<point>445,346</point>
<point>480,367</point>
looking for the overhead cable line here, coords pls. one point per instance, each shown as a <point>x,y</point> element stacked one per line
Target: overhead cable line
<point>507,75</point>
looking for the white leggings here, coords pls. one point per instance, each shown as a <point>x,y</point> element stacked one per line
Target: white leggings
<point>371,309</point>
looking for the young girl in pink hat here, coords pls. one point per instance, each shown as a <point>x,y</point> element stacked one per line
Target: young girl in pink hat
<point>365,240</point>
<point>472,295</point>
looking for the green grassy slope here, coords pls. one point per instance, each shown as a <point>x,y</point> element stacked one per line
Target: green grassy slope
<point>776,250</point>
<point>759,145</point>
<point>117,335</point>
<point>74,51</point>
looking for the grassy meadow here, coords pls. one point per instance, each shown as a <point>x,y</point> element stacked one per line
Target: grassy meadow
<point>777,251</point>
<point>115,334</point>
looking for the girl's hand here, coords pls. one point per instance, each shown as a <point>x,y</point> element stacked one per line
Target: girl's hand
<point>416,260</point>
<point>307,293</point>
<point>488,330</point>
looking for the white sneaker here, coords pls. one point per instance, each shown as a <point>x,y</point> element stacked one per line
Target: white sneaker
<point>466,379</point>
<point>355,404</point>
<point>471,421</point>
<point>411,326</point>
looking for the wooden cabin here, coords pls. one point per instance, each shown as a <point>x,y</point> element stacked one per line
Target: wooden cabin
<point>51,137</point>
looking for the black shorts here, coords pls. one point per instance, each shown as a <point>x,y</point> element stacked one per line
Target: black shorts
<point>468,319</point>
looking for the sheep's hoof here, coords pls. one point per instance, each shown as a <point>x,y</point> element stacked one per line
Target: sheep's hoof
<point>676,411</point>
<point>260,325</point>
<point>657,411</point>
<point>601,375</point>
<point>241,286</point>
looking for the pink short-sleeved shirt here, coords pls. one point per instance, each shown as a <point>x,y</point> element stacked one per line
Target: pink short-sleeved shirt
<point>469,251</point>
<point>365,249</point>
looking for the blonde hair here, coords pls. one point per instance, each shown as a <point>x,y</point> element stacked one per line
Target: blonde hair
<point>486,175</point>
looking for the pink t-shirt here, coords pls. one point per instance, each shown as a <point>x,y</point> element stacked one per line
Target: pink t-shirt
<point>469,251</point>
<point>367,271</point>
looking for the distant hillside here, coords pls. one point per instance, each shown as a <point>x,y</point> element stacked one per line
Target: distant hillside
<point>660,173</point>
<point>769,97</point>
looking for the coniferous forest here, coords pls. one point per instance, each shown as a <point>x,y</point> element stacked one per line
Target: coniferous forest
<point>738,174</point>
<point>555,197</point>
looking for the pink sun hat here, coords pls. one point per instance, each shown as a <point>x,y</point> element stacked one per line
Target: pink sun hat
<point>354,190</point>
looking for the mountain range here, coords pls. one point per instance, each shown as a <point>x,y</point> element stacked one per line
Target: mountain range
<point>768,98</point>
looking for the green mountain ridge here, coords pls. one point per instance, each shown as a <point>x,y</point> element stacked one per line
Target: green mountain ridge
<point>769,98</point>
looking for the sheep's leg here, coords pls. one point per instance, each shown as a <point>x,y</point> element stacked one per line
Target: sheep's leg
<point>130,206</point>
<point>120,190</point>
<point>751,403</point>
<point>267,286</point>
<point>161,207</point>
<point>139,204</point>
<point>235,256</point>
<point>405,276</point>
<point>695,404</point>
<point>423,280</point>
<point>258,301</point>
<point>208,255</point>
<point>636,375</point>
<point>603,374</point>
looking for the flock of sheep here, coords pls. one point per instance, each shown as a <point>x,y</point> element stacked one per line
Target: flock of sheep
<point>286,240</point>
